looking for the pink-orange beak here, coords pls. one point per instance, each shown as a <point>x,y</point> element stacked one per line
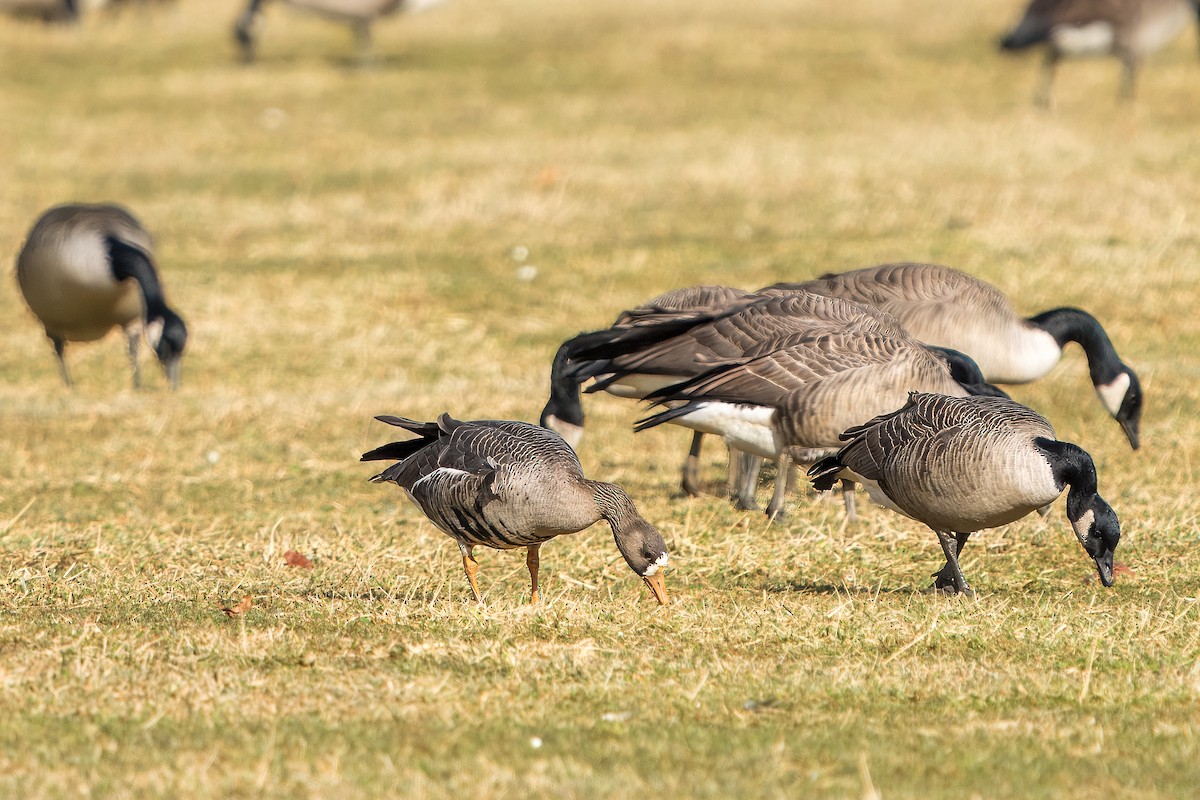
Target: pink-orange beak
<point>659,587</point>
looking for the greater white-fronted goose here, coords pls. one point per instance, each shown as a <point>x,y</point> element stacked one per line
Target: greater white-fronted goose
<point>505,485</point>
<point>943,306</point>
<point>86,269</point>
<point>662,350</point>
<point>961,465</point>
<point>1130,30</point>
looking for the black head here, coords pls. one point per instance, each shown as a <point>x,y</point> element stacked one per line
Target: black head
<point>1122,396</point>
<point>168,335</point>
<point>563,412</point>
<point>1129,415</point>
<point>1099,531</point>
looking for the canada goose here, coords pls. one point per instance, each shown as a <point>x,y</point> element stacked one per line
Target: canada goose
<point>563,412</point>
<point>85,269</point>
<point>961,465</point>
<point>46,10</point>
<point>665,349</point>
<point>508,484</point>
<point>793,402</point>
<point>943,306</point>
<point>1127,29</point>
<point>358,14</point>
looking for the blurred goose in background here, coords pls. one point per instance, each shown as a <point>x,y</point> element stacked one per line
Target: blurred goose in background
<point>949,308</point>
<point>961,465</point>
<point>1130,30</point>
<point>358,14</point>
<point>85,269</point>
<point>508,484</point>
<point>46,10</point>
<point>665,348</point>
<point>793,402</point>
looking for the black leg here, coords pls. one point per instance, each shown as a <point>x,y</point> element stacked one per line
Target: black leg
<point>848,500</point>
<point>745,468</point>
<point>60,348</point>
<point>690,480</point>
<point>950,578</point>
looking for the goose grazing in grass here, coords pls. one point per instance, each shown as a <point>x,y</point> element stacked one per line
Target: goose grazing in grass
<point>563,412</point>
<point>358,14</point>
<point>793,402</point>
<point>1130,30</point>
<point>961,465</point>
<point>664,349</point>
<point>949,308</point>
<point>508,484</point>
<point>86,269</point>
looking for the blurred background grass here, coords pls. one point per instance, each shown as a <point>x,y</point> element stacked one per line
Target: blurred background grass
<point>346,242</point>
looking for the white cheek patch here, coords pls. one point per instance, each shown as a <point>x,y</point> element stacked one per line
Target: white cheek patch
<point>660,562</point>
<point>571,434</point>
<point>154,332</point>
<point>1113,394</point>
<point>1083,525</point>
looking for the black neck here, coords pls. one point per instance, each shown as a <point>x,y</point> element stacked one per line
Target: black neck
<point>1075,325</point>
<point>564,403</point>
<point>133,262</point>
<point>1073,467</point>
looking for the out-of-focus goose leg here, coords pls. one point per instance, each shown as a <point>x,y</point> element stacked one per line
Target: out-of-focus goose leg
<point>533,561</point>
<point>1128,78</point>
<point>60,346</point>
<point>784,473</point>
<point>745,468</point>
<point>471,566</point>
<point>950,576</point>
<point>1043,97</point>
<point>689,482</point>
<point>132,336</point>
<point>848,500</point>
<point>362,36</point>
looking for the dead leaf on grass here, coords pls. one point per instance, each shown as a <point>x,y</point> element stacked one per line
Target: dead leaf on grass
<point>295,559</point>
<point>241,608</point>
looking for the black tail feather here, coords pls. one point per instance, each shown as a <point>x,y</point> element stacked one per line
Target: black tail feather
<point>825,473</point>
<point>655,420</point>
<point>398,451</point>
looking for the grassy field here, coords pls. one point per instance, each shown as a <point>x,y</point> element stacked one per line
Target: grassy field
<point>348,242</point>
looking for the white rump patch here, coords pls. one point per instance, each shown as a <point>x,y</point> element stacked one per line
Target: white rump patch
<point>1094,39</point>
<point>745,427</point>
<point>1113,394</point>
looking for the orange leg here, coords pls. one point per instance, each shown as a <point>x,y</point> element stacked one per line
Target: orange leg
<point>472,569</point>
<point>533,562</point>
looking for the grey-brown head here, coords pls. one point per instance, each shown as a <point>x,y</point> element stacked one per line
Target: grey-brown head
<point>645,552</point>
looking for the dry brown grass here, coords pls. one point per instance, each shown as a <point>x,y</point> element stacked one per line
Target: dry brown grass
<point>341,243</point>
